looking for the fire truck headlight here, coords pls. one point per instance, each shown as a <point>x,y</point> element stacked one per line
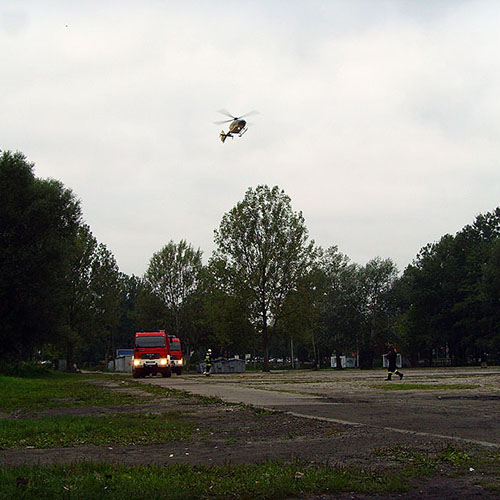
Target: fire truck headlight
<point>179,362</point>
<point>136,362</point>
<point>163,361</point>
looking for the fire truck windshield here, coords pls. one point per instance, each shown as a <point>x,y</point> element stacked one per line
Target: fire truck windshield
<point>175,345</point>
<point>153,341</point>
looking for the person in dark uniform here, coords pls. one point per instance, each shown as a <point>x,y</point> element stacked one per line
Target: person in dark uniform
<point>208,362</point>
<point>392,355</point>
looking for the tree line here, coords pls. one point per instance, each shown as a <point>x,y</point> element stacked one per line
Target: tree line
<point>267,289</point>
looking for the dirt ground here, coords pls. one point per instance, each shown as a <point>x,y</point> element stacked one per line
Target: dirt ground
<point>236,433</point>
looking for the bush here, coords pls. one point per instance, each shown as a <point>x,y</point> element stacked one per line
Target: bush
<point>24,369</point>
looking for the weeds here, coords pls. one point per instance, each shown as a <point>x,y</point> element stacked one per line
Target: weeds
<point>453,455</point>
<point>75,431</point>
<point>262,412</point>
<point>428,461</point>
<point>271,480</point>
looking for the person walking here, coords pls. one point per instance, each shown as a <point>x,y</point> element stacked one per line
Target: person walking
<point>392,356</point>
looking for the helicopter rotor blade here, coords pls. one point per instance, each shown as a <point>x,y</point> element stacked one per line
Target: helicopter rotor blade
<point>227,113</point>
<point>225,121</point>
<point>250,113</point>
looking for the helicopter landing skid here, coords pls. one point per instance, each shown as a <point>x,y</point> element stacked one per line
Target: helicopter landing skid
<point>243,131</point>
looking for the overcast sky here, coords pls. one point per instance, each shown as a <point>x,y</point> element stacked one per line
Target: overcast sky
<point>379,118</point>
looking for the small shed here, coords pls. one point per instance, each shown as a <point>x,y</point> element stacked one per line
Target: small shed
<point>345,362</point>
<point>385,362</point>
<point>232,365</point>
<point>120,364</point>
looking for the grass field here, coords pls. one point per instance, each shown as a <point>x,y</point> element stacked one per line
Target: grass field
<point>57,389</point>
<point>21,427</point>
<point>62,431</point>
<point>263,481</point>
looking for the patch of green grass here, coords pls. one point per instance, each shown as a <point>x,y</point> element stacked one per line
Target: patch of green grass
<point>58,389</point>
<point>262,412</point>
<point>67,431</point>
<point>487,466</point>
<point>417,464</point>
<point>210,400</point>
<point>456,460</point>
<point>426,462</point>
<point>270,481</point>
<point>423,387</point>
<point>453,455</point>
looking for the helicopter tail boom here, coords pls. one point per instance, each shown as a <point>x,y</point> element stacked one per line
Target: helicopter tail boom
<point>223,136</point>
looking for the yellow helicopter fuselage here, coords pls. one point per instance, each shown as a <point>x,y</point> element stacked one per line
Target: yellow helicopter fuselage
<point>236,126</point>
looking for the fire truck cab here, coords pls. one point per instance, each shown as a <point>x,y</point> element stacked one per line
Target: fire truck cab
<point>151,354</point>
<point>175,354</point>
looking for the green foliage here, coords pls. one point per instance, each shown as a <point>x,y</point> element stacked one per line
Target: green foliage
<point>38,220</point>
<point>353,304</point>
<point>342,321</point>
<point>24,369</point>
<point>94,300</point>
<point>173,275</point>
<point>262,253</point>
<point>376,278</point>
<point>58,285</point>
<point>451,294</point>
<point>265,288</point>
<point>224,314</point>
<point>130,288</point>
<point>171,298</point>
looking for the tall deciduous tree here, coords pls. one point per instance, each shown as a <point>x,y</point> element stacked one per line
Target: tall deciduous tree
<point>263,245</point>
<point>450,291</point>
<point>173,277</point>
<point>39,220</point>
<point>224,314</point>
<point>377,278</point>
<point>342,317</point>
<point>130,289</point>
<point>93,300</point>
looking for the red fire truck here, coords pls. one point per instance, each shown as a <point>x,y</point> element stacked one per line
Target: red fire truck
<point>175,354</point>
<point>151,354</point>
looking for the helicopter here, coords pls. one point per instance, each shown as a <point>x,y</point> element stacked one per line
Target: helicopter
<point>237,125</point>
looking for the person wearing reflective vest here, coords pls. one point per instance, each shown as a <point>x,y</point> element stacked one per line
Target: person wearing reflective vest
<point>208,362</point>
<point>392,355</point>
